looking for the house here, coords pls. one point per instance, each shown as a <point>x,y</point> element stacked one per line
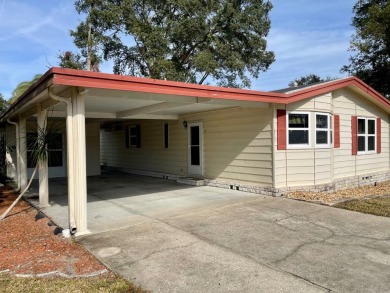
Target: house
<point>325,136</point>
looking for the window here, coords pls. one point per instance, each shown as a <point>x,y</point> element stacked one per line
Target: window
<point>323,130</point>
<point>298,129</point>
<point>54,147</point>
<point>133,136</point>
<point>166,135</point>
<point>366,132</point>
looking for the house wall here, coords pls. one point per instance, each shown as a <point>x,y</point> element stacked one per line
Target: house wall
<point>237,146</point>
<point>346,104</point>
<point>92,146</point>
<point>151,156</point>
<point>321,166</point>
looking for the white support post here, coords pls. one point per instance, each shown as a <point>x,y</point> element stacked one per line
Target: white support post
<point>43,166</point>
<point>79,164</point>
<point>23,152</point>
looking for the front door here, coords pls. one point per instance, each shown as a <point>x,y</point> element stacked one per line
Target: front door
<point>195,148</point>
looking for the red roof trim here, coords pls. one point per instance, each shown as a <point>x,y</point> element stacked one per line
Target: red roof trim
<point>72,77</point>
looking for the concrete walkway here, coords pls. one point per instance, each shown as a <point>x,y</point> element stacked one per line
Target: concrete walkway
<point>167,237</point>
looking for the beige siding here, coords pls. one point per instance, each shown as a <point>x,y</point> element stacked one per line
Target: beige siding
<point>152,156</point>
<point>92,133</point>
<point>306,166</point>
<point>312,166</point>
<point>347,104</point>
<point>236,146</point>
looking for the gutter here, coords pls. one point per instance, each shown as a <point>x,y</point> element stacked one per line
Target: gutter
<point>69,139</point>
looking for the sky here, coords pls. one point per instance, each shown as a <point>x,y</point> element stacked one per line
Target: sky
<point>306,36</point>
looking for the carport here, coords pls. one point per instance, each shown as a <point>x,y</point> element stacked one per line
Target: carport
<point>81,97</point>
<point>117,200</point>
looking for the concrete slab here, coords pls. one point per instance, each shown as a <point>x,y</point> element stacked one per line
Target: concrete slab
<point>174,238</point>
<point>257,245</point>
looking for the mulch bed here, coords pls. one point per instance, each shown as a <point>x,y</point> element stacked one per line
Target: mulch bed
<point>29,247</point>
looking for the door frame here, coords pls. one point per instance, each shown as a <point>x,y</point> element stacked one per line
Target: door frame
<point>195,170</point>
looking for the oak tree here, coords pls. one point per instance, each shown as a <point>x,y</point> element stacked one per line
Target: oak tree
<point>183,40</point>
<point>371,44</point>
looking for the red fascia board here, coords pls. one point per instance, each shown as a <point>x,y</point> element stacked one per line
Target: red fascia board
<point>72,77</point>
<point>331,86</point>
<point>116,82</point>
<point>22,99</point>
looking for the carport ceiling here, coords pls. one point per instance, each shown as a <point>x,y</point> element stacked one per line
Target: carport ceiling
<point>117,104</point>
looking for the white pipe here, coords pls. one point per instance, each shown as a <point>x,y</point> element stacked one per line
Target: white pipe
<point>70,155</point>
<point>17,152</point>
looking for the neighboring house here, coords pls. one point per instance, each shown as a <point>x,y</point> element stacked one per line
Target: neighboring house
<point>325,136</point>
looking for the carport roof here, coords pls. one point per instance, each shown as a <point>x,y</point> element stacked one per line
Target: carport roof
<point>63,78</point>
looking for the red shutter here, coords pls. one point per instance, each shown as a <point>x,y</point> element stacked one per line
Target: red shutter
<point>378,135</point>
<point>281,129</point>
<point>336,131</point>
<point>354,135</point>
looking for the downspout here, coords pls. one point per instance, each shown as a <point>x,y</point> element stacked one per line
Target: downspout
<point>17,152</point>
<point>70,155</point>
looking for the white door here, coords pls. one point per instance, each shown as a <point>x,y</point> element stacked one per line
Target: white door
<point>195,148</point>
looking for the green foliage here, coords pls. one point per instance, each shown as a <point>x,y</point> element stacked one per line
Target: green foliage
<point>71,60</point>
<point>309,79</point>
<point>86,40</point>
<point>371,44</point>
<point>46,138</point>
<point>22,87</point>
<point>182,40</point>
<point>3,104</point>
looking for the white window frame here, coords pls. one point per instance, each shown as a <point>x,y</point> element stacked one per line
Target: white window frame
<point>329,130</point>
<point>366,135</point>
<point>298,146</point>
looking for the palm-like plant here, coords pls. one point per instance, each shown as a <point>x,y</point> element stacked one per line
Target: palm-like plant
<point>39,148</point>
<point>22,87</point>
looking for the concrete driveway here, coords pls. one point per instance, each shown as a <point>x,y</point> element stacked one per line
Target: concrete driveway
<point>203,239</point>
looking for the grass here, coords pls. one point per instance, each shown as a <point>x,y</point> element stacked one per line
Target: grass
<point>379,206</point>
<point>60,285</point>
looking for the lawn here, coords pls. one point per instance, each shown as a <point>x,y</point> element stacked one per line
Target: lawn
<point>379,206</point>
<point>57,285</point>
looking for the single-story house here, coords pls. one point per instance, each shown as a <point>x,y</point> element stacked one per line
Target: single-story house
<point>324,136</point>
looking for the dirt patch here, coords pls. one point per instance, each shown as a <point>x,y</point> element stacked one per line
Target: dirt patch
<point>332,198</point>
<point>28,245</point>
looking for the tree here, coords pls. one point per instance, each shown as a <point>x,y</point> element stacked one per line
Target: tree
<point>371,44</point>
<point>182,40</point>
<point>3,104</point>
<point>22,87</point>
<point>309,79</point>
<point>89,58</point>
<point>68,59</point>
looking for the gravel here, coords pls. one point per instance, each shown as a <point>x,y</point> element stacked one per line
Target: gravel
<point>380,189</point>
